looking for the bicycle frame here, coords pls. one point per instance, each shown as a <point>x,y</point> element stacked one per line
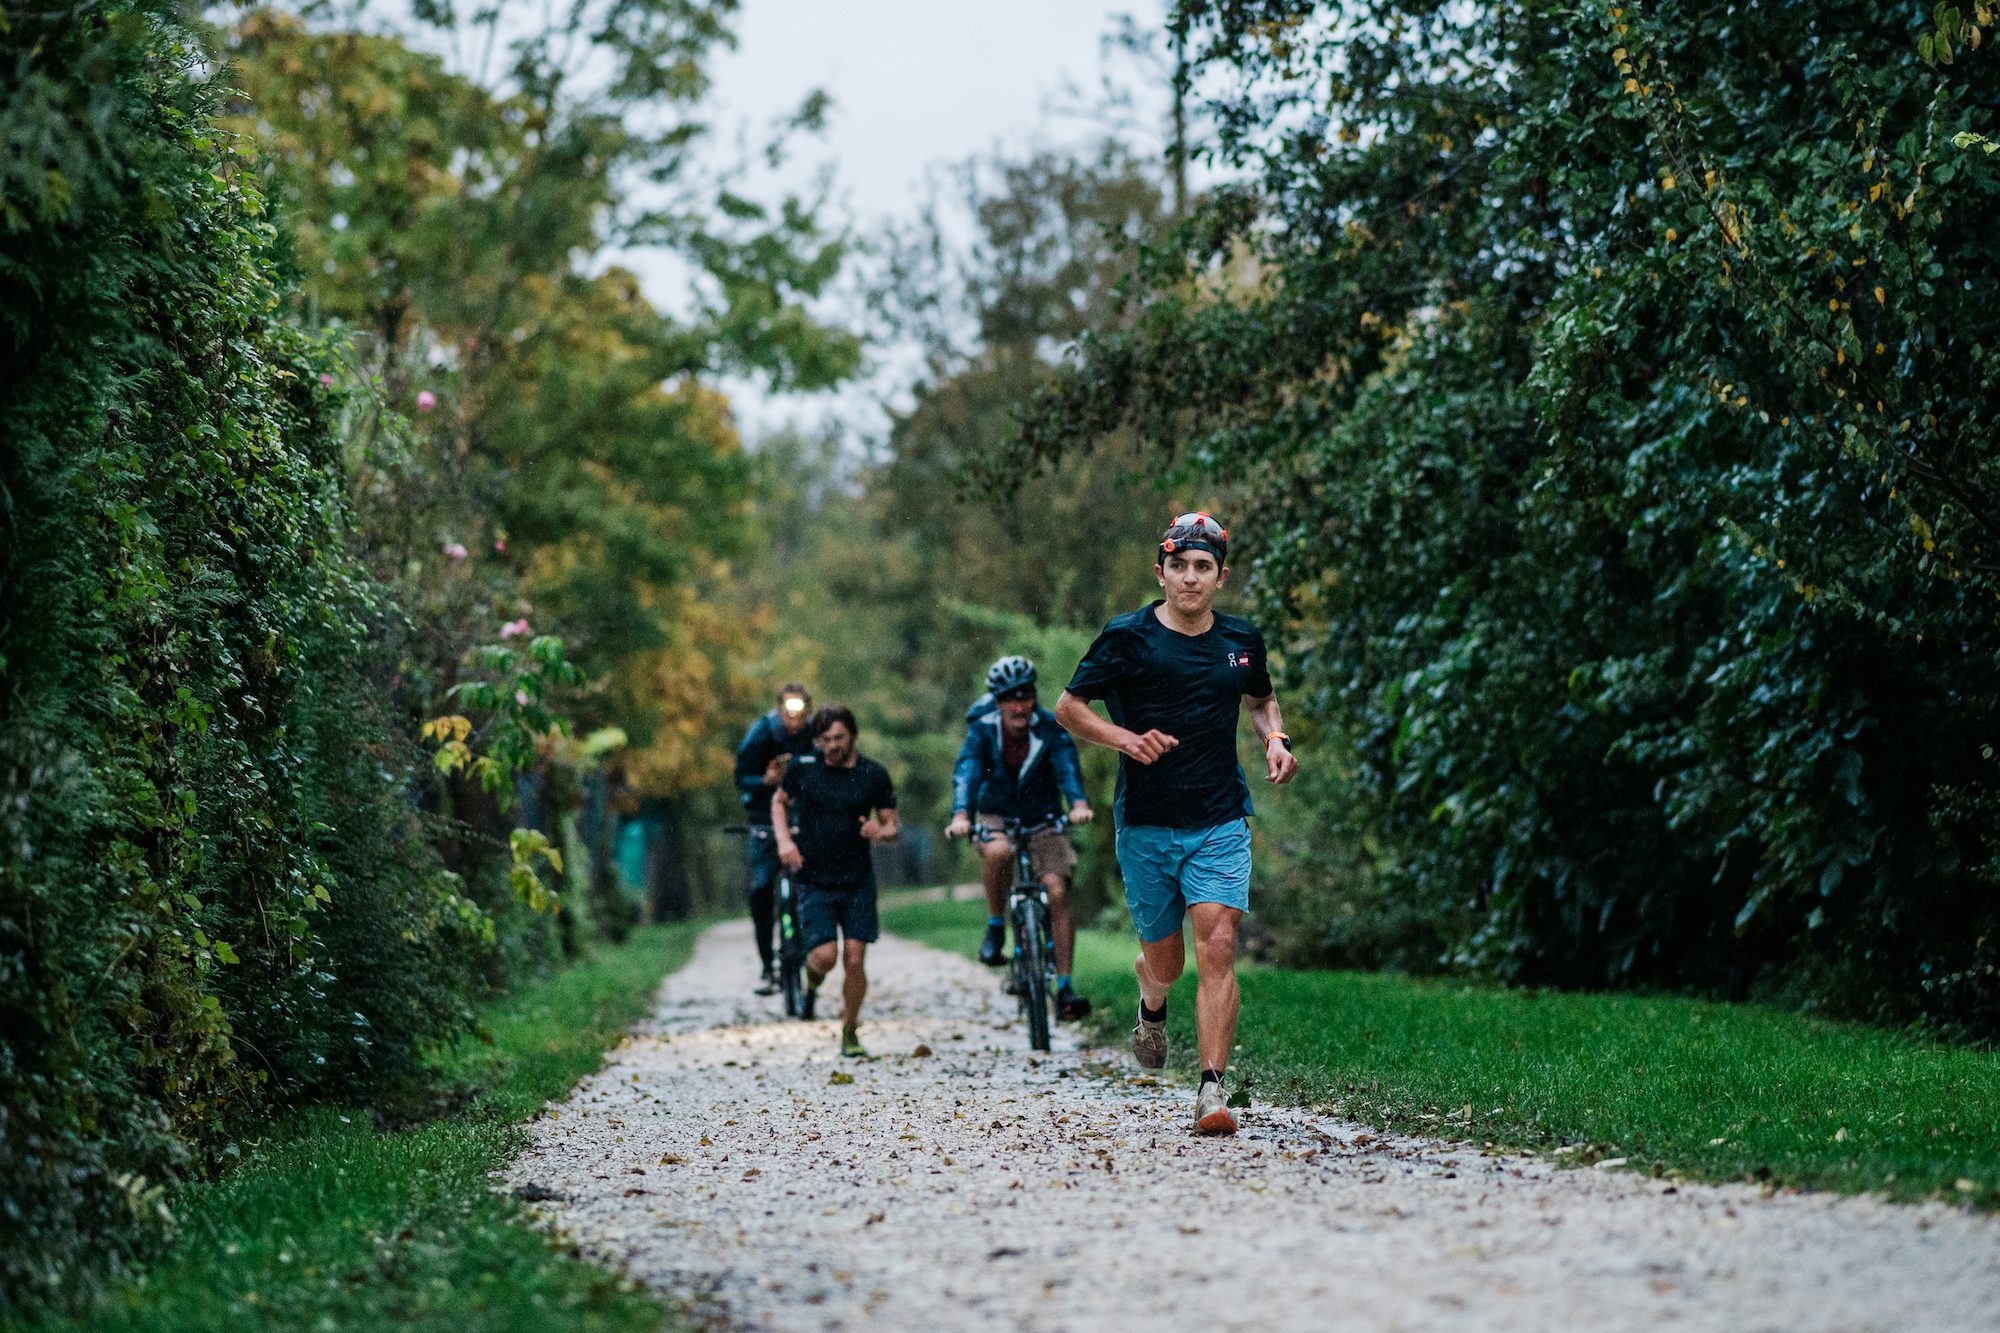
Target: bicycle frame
<point>1032,967</point>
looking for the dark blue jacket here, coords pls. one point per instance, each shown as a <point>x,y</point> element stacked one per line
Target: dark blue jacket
<point>1051,776</point>
<point>765,741</point>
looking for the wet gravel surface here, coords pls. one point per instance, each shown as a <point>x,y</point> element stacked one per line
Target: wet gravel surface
<point>729,1158</point>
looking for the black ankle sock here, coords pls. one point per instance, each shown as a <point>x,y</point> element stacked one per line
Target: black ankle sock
<point>1209,1076</point>
<point>1158,1015</point>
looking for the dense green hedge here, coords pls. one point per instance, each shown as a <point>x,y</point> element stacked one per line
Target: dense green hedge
<point>1609,391</point>
<point>214,894</point>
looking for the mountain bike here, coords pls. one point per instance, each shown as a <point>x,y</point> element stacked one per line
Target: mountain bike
<point>1031,968</point>
<point>791,951</point>
<point>791,947</point>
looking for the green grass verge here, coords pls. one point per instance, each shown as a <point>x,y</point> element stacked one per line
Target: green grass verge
<point>1714,1091</point>
<point>331,1223</point>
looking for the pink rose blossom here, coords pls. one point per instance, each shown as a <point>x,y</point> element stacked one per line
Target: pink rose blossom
<point>499,543</point>
<point>426,400</point>
<point>514,628</point>
<point>456,550</point>
<point>521,698</point>
<point>326,380</point>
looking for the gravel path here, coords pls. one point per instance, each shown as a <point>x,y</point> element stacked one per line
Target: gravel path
<point>724,1156</point>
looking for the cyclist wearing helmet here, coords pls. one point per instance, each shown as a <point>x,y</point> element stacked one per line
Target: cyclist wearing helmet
<point>773,741</point>
<point>1018,763</point>
<point>1174,676</point>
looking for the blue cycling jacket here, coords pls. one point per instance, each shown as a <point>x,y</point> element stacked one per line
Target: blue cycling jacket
<point>1051,776</point>
<point>765,741</point>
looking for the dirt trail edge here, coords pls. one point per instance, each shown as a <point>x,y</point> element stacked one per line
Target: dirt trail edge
<point>723,1157</point>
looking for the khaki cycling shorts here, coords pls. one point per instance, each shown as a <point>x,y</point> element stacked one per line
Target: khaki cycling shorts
<point>1049,851</point>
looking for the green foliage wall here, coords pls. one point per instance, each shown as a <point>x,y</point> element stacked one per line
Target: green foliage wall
<point>213,896</point>
<point>1611,387</point>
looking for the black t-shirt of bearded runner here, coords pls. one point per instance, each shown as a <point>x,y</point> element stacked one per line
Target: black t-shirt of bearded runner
<point>829,805</point>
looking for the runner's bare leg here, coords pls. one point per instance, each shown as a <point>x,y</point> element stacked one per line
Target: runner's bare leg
<point>1160,964</point>
<point>853,981</point>
<point>1216,998</point>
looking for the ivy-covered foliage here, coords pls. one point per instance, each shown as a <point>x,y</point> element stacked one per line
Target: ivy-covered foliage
<point>1610,390</point>
<point>214,894</point>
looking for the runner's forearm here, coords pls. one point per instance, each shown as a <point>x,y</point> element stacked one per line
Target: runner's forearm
<point>781,820</point>
<point>1266,717</point>
<point>1079,719</point>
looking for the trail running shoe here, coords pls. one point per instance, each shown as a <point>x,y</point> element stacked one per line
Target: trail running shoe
<point>768,984</point>
<point>850,1047</point>
<point>1211,1110</point>
<point>992,949</point>
<point>1070,1006</point>
<point>1149,1043</point>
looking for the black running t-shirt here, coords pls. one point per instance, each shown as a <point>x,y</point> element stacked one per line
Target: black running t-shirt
<point>1191,687</point>
<point>829,805</point>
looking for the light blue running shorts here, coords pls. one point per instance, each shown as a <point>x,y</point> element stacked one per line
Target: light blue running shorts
<point>1166,869</point>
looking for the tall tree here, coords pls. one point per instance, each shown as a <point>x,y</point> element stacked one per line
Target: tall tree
<point>905,581</point>
<point>572,472</point>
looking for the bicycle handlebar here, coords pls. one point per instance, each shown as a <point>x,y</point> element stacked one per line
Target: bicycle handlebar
<point>1014,828</point>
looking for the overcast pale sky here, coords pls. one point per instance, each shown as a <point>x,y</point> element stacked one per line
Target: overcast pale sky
<point>915,84</point>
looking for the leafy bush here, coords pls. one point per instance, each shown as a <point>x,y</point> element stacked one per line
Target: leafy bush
<point>1610,398</point>
<point>214,894</point>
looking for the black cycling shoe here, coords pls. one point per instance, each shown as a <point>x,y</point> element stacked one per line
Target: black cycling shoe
<point>1070,1006</point>
<point>992,949</point>
<point>768,985</point>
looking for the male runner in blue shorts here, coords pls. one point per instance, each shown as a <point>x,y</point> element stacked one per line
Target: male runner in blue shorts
<point>1173,676</point>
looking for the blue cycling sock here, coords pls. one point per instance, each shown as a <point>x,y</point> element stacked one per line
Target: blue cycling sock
<point>1062,982</point>
<point>992,920</point>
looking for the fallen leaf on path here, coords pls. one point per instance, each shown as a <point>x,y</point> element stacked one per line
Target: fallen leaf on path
<point>838,1077</point>
<point>921,1051</point>
<point>672,1159</point>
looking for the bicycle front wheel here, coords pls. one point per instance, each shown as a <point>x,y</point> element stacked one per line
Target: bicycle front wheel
<point>1034,974</point>
<point>791,951</point>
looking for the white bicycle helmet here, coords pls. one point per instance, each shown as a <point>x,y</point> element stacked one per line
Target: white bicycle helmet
<point>1009,673</point>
